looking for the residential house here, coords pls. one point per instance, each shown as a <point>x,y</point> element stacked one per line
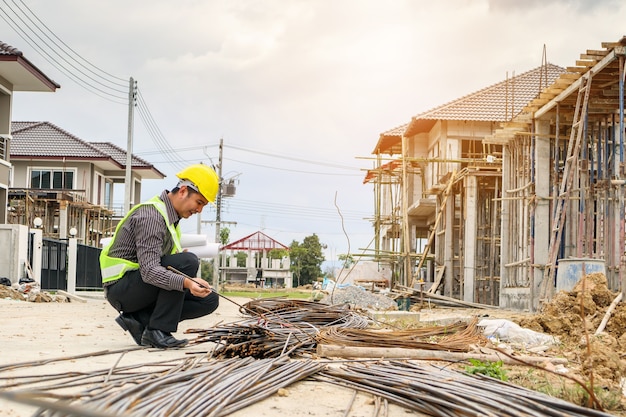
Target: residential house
<point>438,189</point>
<point>259,269</point>
<point>68,182</point>
<point>16,74</point>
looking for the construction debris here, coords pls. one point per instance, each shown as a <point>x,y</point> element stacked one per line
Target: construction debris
<point>359,298</point>
<point>32,296</point>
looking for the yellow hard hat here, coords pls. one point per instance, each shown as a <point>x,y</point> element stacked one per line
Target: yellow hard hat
<point>204,179</point>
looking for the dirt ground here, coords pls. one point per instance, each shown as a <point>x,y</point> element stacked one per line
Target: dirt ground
<point>38,331</point>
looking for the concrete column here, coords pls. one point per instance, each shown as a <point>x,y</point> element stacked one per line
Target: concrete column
<point>470,230</point>
<point>37,253</point>
<point>448,248</point>
<point>505,236</point>
<point>72,259</point>
<point>541,241</point>
<point>616,262</point>
<point>63,220</point>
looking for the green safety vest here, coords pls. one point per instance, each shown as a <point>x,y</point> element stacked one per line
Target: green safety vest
<point>114,268</point>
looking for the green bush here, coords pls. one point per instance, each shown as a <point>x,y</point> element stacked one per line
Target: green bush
<point>491,369</point>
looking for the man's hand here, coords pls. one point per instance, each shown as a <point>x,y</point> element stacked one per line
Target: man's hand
<point>197,287</point>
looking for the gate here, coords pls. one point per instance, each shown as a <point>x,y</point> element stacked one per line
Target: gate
<point>88,276</point>
<point>54,265</point>
<point>54,259</point>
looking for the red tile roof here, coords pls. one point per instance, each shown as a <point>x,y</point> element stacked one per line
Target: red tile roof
<point>497,103</point>
<point>257,241</point>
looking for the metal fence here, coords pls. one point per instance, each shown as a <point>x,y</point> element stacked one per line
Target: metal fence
<point>54,266</point>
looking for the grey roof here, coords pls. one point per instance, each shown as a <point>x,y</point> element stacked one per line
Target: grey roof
<point>6,49</point>
<point>119,154</point>
<point>44,140</point>
<point>21,73</point>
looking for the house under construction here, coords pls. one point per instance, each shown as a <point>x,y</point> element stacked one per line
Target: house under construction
<point>480,198</point>
<point>64,185</point>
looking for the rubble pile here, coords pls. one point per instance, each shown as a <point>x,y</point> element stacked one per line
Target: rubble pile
<point>359,298</point>
<point>21,292</point>
<point>573,316</point>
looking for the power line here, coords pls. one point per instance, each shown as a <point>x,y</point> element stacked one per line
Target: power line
<point>292,158</point>
<point>240,206</point>
<point>32,34</point>
<point>121,82</point>
<point>296,170</point>
<point>274,167</point>
<point>88,76</point>
<point>156,134</point>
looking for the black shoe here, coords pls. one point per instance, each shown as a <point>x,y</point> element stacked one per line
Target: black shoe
<point>132,325</point>
<point>160,339</point>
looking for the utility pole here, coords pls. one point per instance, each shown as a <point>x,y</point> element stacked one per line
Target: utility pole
<point>129,148</point>
<point>218,215</point>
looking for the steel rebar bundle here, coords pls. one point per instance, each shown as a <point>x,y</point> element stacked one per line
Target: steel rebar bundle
<point>279,326</point>
<point>455,338</point>
<point>279,311</point>
<point>193,387</point>
<point>443,392</point>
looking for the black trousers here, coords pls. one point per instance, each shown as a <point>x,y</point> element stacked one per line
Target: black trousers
<point>155,307</point>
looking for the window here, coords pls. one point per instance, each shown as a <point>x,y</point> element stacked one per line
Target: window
<point>52,179</point>
<point>4,143</point>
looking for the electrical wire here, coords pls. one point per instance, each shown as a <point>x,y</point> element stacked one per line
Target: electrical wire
<point>274,155</point>
<point>121,82</point>
<point>101,83</point>
<point>285,210</point>
<point>292,158</point>
<point>156,134</point>
<point>88,76</point>
<point>297,170</point>
<point>18,20</point>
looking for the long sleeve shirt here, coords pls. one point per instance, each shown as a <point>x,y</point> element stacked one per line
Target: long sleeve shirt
<point>144,238</point>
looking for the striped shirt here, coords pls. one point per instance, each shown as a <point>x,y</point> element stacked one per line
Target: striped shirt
<point>144,238</point>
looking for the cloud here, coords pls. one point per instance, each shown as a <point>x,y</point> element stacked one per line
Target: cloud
<point>576,6</point>
<point>303,78</point>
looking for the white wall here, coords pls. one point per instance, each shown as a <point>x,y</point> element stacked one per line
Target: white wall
<point>13,251</point>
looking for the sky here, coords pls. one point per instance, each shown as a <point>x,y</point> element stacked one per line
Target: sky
<point>299,91</point>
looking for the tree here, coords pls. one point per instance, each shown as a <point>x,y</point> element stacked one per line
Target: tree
<point>241,259</point>
<point>306,259</point>
<point>348,260</point>
<point>224,236</point>
<point>278,253</point>
<point>206,270</point>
